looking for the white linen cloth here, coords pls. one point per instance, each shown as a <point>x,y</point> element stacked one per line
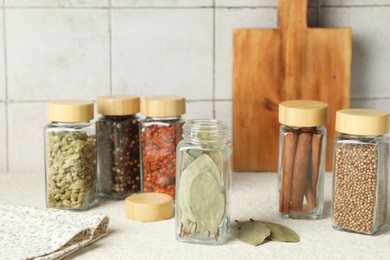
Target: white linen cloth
<point>43,233</point>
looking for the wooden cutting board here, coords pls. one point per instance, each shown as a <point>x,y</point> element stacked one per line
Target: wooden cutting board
<point>285,63</point>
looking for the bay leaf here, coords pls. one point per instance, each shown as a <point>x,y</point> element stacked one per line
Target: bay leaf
<point>282,233</point>
<point>279,232</point>
<point>208,136</point>
<point>187,160</point>
<point>195,153</point>
<point>240,224</point>
<point>183,190</point>
<point>191,227</point>
<point>217,157</point>
<point>186,222</point>
<point>201,164</point>
<point>206,200</point>
<point>254,233</point>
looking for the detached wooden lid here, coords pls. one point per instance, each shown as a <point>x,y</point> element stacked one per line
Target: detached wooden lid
<point>303,113</point>
<point>149,207</point>
<point>362,122</point>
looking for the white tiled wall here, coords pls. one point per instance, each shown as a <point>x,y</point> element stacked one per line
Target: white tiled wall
<point>176,56</point>
<point>55,53</point>
<point>3,143</point>
<point>86,48</point>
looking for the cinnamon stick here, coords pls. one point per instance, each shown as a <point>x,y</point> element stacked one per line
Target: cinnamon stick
<point>301,166</point>
<point>309,194</point>
<point>316,148</point>
<point>290,139</point>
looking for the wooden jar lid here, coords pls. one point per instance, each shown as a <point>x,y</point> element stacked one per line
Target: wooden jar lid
<point>149,207</point>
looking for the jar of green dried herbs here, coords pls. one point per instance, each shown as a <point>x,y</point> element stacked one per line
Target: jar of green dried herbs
<point>203,183</point>
<point>117,137</point>
<point>360,170</point>
<point>70,155</point>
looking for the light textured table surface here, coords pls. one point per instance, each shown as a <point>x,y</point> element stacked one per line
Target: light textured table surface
<point>254,196</point>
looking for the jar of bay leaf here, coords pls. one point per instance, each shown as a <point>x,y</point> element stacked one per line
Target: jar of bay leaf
<point>117,137</point>
<point>161,131</point>
<point>302,148</point>
<point>360,170</point>
<point>70,155</point>
<point>203,183</point>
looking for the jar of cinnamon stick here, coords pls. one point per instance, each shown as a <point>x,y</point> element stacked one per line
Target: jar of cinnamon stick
<point>302,147</point>
<point>161,131</point>
<point>360,170</point>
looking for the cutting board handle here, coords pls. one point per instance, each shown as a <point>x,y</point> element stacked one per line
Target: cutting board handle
<point>292,14</point>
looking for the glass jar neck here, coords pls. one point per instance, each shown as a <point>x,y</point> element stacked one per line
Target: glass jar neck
<point>302,128</point>
<point>205,132</point>
<point>70,124</point>
<point>173,118</point>
<point>359,137</point>
<point>117,117</point>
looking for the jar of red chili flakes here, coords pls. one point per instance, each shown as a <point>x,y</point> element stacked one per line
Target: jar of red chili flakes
<point>117,134</point>
<point>161,131</point>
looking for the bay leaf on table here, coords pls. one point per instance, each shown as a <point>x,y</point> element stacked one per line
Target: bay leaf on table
<point>282,233</point>
<point>207,202</point>
<point>254,233</point>
<point>279,232</point>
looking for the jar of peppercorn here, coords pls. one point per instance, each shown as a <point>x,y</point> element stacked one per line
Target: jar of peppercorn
<point>117,134</point>
<point>360,170</point>
<point>161,131</point>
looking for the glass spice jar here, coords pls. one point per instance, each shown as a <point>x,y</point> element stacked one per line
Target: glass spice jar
<point>117,137</point>
<point>360,170</point>
<point>70,155</point>
<point>161,131</point>
<point>203,183</point>
<point>302,148</point>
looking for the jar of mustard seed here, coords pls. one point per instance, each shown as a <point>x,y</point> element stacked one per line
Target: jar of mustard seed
<point>302,148</point>
<point>70,155</point>
<point>203,183</point>
<point>117,137</point>
<point>360,170</point>
<point>161,131</point>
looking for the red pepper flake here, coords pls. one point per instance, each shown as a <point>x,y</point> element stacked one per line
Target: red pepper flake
<point>159,143</point>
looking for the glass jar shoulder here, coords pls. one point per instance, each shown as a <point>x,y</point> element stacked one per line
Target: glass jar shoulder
<point>315,129</point>
<point>130,119</point>
<point>85,127</point>
<point>185,146</point>
<point>150,121</point>
<point>361,139</point>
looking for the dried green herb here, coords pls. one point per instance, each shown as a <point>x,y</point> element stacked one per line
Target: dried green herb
<point>217,157</point>
<point>195,153</point>
<point>187,160</point>
<point>201,197</point>
<point>207,202</point>
<point>252,232</point>
<point>282,233</point>
<point>71,160</point>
